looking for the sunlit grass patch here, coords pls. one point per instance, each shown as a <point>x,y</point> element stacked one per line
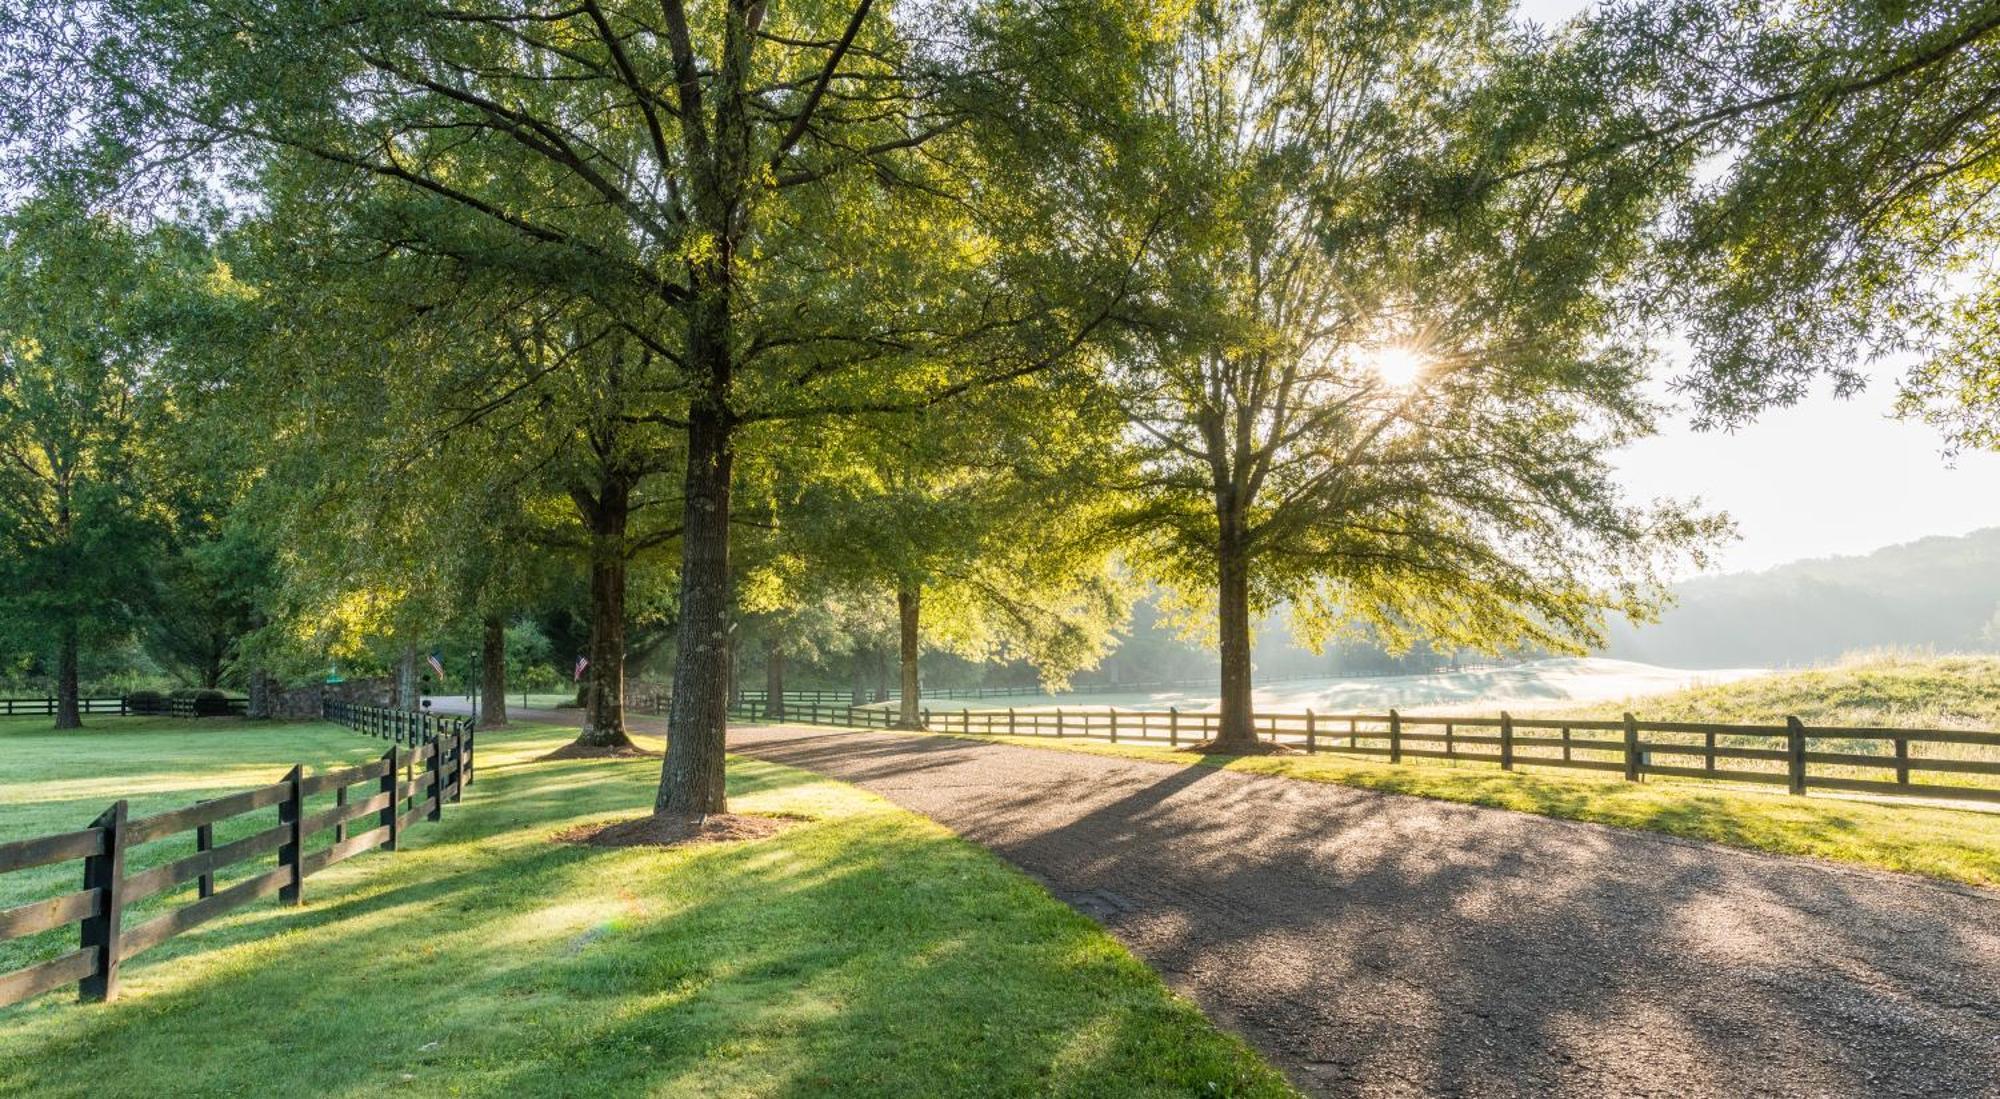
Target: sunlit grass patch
<point>1902,690</point>
<point>1957,845</point>
<point>862,951</point>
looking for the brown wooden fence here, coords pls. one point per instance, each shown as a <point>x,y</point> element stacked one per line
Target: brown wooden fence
<point>837,698</point>
<point>403,787</point>
<point>1930,763</point>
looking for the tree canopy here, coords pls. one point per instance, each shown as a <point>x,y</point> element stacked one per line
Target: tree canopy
<point>1380,371</point>
<point>806,325</point>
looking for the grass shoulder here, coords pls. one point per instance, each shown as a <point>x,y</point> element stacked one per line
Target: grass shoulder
<point>1952,844</point>
<point>864,951</point>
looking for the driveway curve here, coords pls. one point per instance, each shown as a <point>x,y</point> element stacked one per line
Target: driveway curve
<point>1375,944</point>
<point>1380,945</point>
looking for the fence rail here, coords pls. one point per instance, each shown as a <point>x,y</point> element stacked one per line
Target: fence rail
<point>399,790</point>
<point>1880,761</point>
<point>412,728</point>
<point>843,698</point>
<point>126,706</point>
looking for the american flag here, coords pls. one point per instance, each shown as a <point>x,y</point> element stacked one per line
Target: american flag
<point>436,665</point>
<point>582,662</point>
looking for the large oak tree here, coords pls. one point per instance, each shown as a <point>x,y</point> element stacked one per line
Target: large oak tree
<point>1382,377</point>
<point>800,207</point>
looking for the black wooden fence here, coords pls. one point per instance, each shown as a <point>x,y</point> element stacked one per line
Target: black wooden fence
<point>402,788</point>
<point>133,706</point>
<point>1896,762</point>
<point>407,727</point>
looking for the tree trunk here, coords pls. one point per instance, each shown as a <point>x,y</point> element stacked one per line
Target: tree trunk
<point>691,779</point>
<point>858,695</point>
<point>493,673</point>
<point>69,714</point>
<point>406,679</point>
<point>908,603</point>
<point>258,707</point>
<point>735,674</point>
<point>1237,730</point>
<point>604,692</point>
<point>774,680</point>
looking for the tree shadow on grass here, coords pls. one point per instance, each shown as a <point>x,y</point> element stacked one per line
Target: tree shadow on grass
<point>867,953</point>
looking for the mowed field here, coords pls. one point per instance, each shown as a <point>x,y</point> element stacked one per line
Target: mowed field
<point>861,951</point>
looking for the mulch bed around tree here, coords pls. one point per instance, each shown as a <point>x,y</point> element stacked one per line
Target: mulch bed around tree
<point>1261,748</point>
<point>662,831</point>
<point>573,750</point>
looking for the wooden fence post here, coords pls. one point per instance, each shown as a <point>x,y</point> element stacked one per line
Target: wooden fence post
<point>1395,737</point>
<point>1506,741</point>
<point>1795,751</point>
<point>340,802</point>
<point>1058,722</point>
<point>291,811</point>
<point>457,767</point>
<point>1903,761</point>
<point>105,873</point>
<point>1114,724</point>
<point>434,768</point>
<point>1010,721</point>
<point>926,722</point>
<point>204,840</point>
<point>389,813</point>
<point>1631,748</point>
<point>1174,726</point>
<point>471,750</point>
<point>1312,733</point>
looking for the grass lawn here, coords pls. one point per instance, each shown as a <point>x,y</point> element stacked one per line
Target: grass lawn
<point>864,951</point>
<point>1954,844</point>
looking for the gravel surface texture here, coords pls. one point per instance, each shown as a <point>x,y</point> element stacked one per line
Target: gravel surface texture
<point>1380,945</point>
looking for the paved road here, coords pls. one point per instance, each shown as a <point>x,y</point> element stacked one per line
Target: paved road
<point>1380,945</point>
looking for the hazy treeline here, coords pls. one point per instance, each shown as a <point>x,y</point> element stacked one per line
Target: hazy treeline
<point>1937,592</point>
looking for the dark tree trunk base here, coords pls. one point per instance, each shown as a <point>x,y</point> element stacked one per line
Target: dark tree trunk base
<point>604,738</point>
<point>674,830</point>
<point>576,749</point>
<point>1239,748</point>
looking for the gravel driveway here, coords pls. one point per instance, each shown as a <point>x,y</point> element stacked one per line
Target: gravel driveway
<point>1373,944</point>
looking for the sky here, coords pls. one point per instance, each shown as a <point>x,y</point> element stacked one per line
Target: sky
<point>1821,478</point>
<point>1825,477</point>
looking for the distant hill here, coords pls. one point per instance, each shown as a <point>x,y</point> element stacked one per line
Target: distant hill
<point>1957,691</point>
<point>1938,593</point>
